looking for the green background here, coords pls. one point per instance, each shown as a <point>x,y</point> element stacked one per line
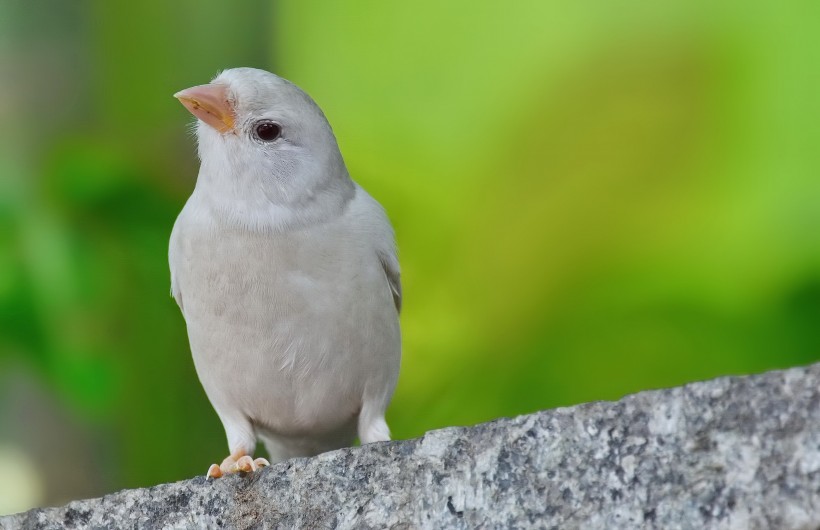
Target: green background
<point>591,198</point>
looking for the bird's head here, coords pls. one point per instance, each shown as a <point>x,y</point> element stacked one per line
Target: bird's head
<point>261,138</point>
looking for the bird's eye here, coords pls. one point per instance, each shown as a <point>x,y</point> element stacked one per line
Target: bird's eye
<point>267,131</point>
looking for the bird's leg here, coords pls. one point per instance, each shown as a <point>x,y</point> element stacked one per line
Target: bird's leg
<point>234,463</point>
<point>372,427</point>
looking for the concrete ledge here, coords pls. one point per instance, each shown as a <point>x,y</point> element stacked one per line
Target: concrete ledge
<point>739,452</point>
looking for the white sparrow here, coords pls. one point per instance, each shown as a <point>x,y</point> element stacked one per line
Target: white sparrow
<point>286,273</point>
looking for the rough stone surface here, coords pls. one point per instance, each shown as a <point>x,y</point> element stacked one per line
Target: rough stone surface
<point>741,452</point>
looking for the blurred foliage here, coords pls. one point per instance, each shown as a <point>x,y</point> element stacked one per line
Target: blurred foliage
<point>590,199</point>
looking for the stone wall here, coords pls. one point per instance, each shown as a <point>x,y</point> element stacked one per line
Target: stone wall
<point>741,452</point>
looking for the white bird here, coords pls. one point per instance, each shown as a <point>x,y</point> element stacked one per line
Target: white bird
<point>286,273</point>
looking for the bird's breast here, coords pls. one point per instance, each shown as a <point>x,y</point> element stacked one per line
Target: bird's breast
<point>305,317</point>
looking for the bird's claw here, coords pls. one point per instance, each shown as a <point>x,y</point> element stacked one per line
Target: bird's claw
<point>243,464</point>
<point>213,472</point>
<point>247,464</point>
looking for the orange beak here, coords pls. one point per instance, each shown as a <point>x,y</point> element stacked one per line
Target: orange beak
<point>210,104</point>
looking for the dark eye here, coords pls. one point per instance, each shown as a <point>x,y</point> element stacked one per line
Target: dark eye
<point>267,131</point>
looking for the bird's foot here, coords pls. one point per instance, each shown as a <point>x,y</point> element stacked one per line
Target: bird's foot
<point>235,463</point>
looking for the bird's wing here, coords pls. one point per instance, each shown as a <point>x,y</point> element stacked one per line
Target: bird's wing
<point>365,211</point>
<point>390,264</point>
<point>176,294</point>
<point>173,260</point>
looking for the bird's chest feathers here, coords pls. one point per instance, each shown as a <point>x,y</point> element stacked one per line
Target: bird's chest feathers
<point>281,275</point>
<point>306,301</point>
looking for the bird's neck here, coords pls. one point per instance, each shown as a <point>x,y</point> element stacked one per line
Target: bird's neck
<point>261,202</point>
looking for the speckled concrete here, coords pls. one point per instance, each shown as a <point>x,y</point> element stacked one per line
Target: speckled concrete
<point>732,453</point>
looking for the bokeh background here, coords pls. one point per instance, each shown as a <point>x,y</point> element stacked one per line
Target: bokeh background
<point>591,198</point>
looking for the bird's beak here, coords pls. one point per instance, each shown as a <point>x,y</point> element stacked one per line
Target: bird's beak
<point>210,104</point>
